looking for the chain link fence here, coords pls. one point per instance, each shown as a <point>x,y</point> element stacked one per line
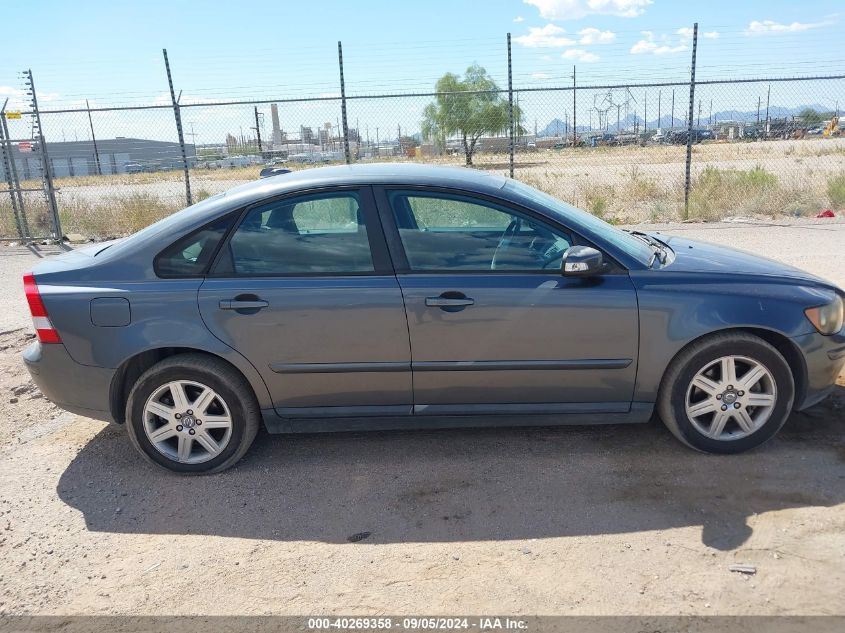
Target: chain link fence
<point>761,146</point>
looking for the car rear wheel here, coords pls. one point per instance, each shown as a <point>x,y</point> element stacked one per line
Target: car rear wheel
<point>727,393</point>
<point>192,413</point>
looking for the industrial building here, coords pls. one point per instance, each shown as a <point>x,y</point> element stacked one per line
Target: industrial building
<point>110,156</point>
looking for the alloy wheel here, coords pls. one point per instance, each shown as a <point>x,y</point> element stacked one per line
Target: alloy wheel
<point>730,398</point>
<point>187,422</point>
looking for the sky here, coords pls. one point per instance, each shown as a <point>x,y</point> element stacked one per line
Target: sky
<point>109,52</point>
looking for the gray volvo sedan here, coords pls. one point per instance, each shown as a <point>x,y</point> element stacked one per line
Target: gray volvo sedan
<point>407,296</point>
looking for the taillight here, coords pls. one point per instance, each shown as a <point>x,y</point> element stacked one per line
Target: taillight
<point>45,330</point>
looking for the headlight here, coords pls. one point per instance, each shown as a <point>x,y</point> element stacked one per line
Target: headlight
<point>827,319</point>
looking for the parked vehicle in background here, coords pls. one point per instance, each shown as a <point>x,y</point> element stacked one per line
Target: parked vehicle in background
<point>679,137</point>
<point>273,170</point>
<point>600,140</point>
<point>407,296</point>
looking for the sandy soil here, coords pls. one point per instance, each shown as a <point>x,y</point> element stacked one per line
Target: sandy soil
<point>599,520</point>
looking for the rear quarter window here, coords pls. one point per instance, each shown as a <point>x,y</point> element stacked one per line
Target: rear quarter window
<point>191,255</point>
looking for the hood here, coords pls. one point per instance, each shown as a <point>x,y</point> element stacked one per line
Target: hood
<point>693,256</point>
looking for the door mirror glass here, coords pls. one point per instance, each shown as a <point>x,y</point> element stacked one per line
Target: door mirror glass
<point>581,261</point>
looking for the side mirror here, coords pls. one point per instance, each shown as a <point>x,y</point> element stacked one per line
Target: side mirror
<point>581,261</point>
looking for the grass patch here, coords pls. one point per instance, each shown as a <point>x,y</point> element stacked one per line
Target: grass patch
<point>836,190</point>
<point>716,193</point>
<point>598,200</point>
<point>114,216</point>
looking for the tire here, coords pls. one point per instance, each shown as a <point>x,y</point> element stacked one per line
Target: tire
<point>735,424</point>
<point>220,393</point>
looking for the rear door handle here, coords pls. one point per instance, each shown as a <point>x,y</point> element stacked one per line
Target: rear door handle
<point>450,301</point>
<point>242,304</point>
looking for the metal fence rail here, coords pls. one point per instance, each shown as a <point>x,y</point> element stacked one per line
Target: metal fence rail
<point>628,151</point>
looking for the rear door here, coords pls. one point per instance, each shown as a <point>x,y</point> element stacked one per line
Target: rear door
<point>494,325</point>
<point>305,290</point>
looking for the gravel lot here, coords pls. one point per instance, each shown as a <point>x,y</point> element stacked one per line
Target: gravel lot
<point>592,520</point>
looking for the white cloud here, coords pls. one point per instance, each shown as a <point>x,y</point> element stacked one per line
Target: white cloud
<point>549,36</point>
<point>595,36</point>
<point>580,55</point>
<point>546,58</point>
<point>662,45</point>
<point>711,35</point>
<point>764,27</point>
<point>577,9</point>
<point>519,19</point>
<point>540,76</point>
<point>15,96</point>
<point>685,32</point>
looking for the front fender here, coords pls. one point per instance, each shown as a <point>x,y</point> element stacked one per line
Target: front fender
<point>678,308</point>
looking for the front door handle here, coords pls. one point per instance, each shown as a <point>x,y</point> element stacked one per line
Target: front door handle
<point>450,301</point>
<point>243,304</point>
<point>235,304</point>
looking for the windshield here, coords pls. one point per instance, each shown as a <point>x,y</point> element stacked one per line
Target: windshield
<point>626,242</point>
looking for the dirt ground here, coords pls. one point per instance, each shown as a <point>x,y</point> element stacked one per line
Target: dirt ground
<point>577,520</point>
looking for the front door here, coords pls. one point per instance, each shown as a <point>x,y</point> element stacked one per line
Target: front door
<point>494,326</point>
<point>304,290</point>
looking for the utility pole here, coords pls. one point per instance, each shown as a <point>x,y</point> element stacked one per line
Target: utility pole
<point>178,115</point>
<point>673,109</point>
<point>711,111</point>
<point>659,123</point>
<point>759,99</point>
<point>257,134</point>
<point>645,113</point>
<point>93,139</point>
<point>768,96</point>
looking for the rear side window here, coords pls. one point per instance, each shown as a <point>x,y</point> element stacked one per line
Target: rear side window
<point>191,255</point>
<point>314,234</point>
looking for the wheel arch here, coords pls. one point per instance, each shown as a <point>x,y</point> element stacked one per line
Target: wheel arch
<point>131,369</point>
<point>778,340</point>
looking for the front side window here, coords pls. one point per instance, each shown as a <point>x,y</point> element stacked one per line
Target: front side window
<point>319,233</point>
<point>445,232</point>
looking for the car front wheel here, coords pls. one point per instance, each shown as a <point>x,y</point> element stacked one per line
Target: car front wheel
<point>192,413</point>
<point>727,393</point>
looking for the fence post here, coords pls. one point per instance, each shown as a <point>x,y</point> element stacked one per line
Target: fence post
<point>12,176</point>
<point>689,121</point>
<point>343,105</point>
<point>510,110</point>
<point>574,115</point>
<point>8,159</point>
<point>178,116</point>
<point>93,139</point>
<point>45,160</point>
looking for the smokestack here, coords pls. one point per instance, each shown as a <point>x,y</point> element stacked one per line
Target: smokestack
<point>277,129</point>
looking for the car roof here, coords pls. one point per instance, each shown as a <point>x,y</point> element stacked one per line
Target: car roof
<point>368,174</point>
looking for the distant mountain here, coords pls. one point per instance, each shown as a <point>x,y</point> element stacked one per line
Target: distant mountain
<point>556,127</point>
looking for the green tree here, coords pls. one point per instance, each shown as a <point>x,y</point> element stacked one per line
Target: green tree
<point>813,117</point>
<point>467,107</point>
